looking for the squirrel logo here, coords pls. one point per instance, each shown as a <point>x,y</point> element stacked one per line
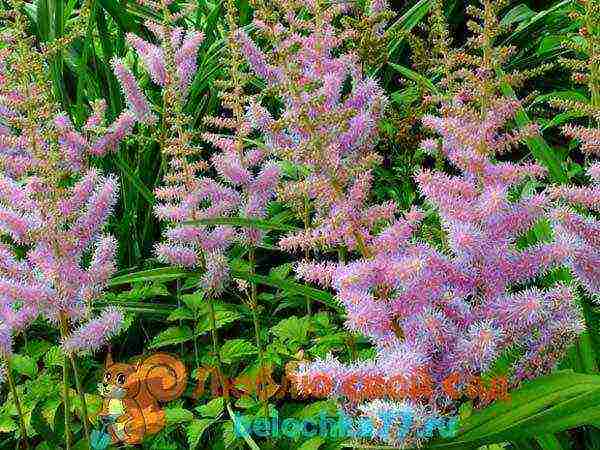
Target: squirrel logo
<point>132,392</point>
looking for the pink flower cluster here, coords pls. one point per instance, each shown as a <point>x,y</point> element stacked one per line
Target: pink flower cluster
<point>428,309</point>
<point>455,310</point>
<point>55,259</point>
<point>247,177</point>
<point>582,231</point>
<point>326,132</point>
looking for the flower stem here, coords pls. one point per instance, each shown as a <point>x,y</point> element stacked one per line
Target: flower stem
<point>64,331</point>
<point>65,370</point>
<point>15,395</point>
<point>81,393</point>
<point>254,306</point>
<point>215,347</point>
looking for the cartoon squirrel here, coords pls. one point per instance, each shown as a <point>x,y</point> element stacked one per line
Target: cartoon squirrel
<point>131,393</point>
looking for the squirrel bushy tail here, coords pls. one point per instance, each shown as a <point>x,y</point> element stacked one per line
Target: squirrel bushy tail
<point>165,376</point>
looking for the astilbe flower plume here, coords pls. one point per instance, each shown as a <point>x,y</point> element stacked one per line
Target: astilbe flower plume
<point>246,169</point>
<point>431,313</point>
<point>323,130</point>
<point>56,259</point>
<point>331,135</point>
<point>434,313</point>
<point>579,230</point>
<point>187,198</point>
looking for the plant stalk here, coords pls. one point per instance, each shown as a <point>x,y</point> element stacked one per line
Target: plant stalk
<point>67,406</point>
<point>64,331</point>
<point>306,252</point>
<point>215,348</point>
<point>254,307</point>
<point>81,393</point>
<point>15,395</point>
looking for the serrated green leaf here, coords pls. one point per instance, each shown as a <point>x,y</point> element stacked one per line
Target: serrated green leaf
<point>195,429</point>
<point>236,349</point>
<point>24,365</point>
<point>224,315</point>
<point>212,409</point>
<point>181,314</point>
<point>178,415</point>
<point>293,328</point>
<point>172,336</point>
<point>194,301</point>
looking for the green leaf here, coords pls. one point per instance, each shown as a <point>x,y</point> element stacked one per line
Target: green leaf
<point>49,409</point>
<point>293,328</point>
<point>134,179</point>
<point>195,430</point>
<point>563,95</point>
<point>172,336</point>
<point>125,20</point>
<point>162,274</point>
<point>224,315</point>
<point>416,77</point>
<point>542,406</point>
<point>519,13</point>
<point>561,118</point>
<point>194,301</point>
<point>527,25</point>
<point>236,349</point>
<point>37,348</point>
<point>312,444</point>
<point>212,409</point>
<point>24,365</point>
<point>549,44</point>
<point>281,272</point>
<point>178,415</point>
<point>7,425</point>
<point>407,22</point>
<point>181,314</point>
<point>549,442</point>
<point>43,20</point>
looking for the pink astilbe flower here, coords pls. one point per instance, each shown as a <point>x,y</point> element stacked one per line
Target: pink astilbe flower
<point>325,131</point>
<point>135,98</point>
<point>54,207</point>
<point>95,333</point>
<point>432,313</point>
<point>185,47</point>
<point>118,130</point>
<point>245,184</point>
<point>579,229</point>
